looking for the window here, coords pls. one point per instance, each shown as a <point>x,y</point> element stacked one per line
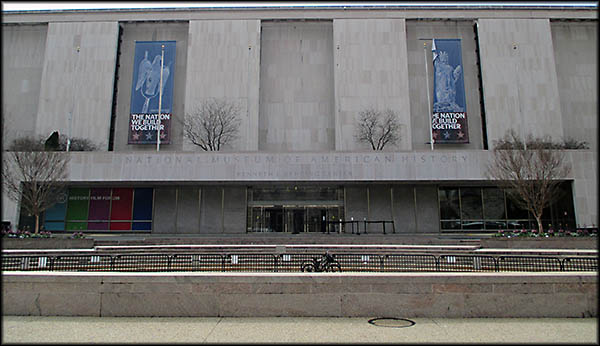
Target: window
<point>491,208</point>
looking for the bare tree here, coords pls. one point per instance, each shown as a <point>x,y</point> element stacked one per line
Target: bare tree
<point>213,124</point>
<point>378,128</point>
<point>34,177</point>
<point>38,144</point>
<point>78,144</point>
<point>530,169</point>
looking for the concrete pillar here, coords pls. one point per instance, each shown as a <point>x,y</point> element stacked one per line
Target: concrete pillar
<point>188,210</point>
<point>78,79</point>
<point>370,70</point>
<point>165,210</point>
<point>404,208</point>
<point>519,78</point>
<point>223,62</point>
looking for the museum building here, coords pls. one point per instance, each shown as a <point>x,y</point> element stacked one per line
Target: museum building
<point>457,78</point>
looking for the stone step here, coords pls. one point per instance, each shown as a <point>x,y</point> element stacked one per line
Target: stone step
<point>257,239</point>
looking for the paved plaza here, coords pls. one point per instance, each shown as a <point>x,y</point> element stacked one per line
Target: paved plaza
<point>214,330</point>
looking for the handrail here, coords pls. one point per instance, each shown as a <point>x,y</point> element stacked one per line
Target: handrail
<point>290,262</point>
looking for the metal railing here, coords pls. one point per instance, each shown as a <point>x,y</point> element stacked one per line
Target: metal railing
<point>253,262</point>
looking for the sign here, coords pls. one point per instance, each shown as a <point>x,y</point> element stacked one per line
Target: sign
<point>449,120</point>
<point>145,92</point>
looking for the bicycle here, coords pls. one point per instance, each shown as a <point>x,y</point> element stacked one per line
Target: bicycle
<point>324,264</point>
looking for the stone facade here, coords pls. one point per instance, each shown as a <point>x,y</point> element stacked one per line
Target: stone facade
<point>300,77</point>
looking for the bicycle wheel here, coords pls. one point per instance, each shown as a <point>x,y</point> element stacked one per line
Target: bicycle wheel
<point>307,267</point>
<point>334,267</point>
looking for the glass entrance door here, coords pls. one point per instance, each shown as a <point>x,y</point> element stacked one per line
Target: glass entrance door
<point>274,219</point>
<point>294,209</point>
<point>294,220</point>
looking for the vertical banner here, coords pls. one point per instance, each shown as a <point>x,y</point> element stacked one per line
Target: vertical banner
<point>449,120</point>
<point>145,92</point>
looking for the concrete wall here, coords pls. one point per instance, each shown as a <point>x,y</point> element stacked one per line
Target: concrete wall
<point>356,203</point>
<point>419,33</point>
<point>211,209</point>
<point>427,209</point>
<point>519,78</point>
<point>443,295</point>
<point>188,210</point>
<point>23,48</point>
<point>302,13</point>
<point>165,210</point>
<point>585,186</point>
<point>576,55</point>
<point>175,31</point>
<point>234,212</point>
<point>380,208</point>
<point>223,62</point>
<point>404,212</point>
<point>78,82</point>
<point>369,72</point>
<point>296,87</point>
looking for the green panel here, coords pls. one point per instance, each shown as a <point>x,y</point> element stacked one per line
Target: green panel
<point>76,226</point>
<point>77,208</point>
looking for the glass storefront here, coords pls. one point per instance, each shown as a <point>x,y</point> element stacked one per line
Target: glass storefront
<point>294,209</point>
<point>489,208</point>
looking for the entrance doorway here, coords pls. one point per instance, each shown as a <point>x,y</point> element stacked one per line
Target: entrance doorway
<point>294,209</point>
<point>293,218</point>
<point>274,219</point>
<point>296,220</point>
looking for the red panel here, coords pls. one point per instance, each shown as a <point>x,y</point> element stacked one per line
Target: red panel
<point>120,226</point>
<point>122,204</point>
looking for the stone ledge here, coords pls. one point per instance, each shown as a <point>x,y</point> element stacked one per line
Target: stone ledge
<point>47,243</point>
<point>541,243</point>
<point>292,294</point>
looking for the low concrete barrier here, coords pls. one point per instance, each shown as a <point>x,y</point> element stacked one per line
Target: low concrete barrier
<point>47,243</point>
<point>295,295</point>
<point>541,243</point>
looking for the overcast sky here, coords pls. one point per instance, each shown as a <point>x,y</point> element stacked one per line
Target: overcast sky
<point>51,5</point>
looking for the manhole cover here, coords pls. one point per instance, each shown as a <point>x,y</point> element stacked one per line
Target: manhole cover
<point>391,322</point>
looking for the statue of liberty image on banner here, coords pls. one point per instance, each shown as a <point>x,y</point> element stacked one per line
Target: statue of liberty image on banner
<point>146,92</point>
<point>449,120</point>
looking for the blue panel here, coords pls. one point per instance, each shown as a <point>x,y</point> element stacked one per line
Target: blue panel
<point>58,211</point>
<point>54,217</point>
<point>54,225</point>
<point>142,226</point>
<point>142,204</point>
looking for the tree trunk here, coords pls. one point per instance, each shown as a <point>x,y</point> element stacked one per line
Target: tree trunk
<point>37,223</point>
<point>539,222</point>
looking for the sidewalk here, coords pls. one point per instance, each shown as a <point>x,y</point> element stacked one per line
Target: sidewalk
<point>37,329</point>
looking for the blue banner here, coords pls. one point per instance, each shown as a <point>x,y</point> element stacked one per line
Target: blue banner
<point>145,92</point>
<point>449,120</point>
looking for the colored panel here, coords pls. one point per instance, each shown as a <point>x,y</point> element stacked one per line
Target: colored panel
<point>76,226</point>
<point>146,92</point>
<point>77,208</point>
<point>98,226</point>
<point>99,204</point>
<point>55,216</point>
<point>120,226</point>
<point>58,211</point>
<point>121,208</point>
<point>142,204</point>
<point>54,225</point>
<point>142,226</point>
<point>449,121</point>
